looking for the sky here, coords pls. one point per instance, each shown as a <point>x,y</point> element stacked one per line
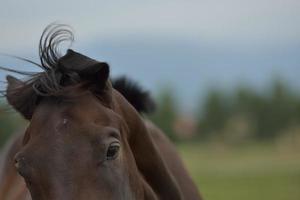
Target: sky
<point>191,46</point>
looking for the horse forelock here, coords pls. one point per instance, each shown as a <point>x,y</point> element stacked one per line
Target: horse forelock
<point>49,81</point>
<point>61,73</point>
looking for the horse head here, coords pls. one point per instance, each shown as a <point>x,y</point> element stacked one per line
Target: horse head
<point>84,139</point>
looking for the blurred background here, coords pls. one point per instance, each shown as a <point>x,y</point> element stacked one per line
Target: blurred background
<point>225,75</point>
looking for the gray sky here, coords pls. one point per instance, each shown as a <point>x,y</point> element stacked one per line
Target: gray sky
<point>256,22</point>
<point>209,42</point>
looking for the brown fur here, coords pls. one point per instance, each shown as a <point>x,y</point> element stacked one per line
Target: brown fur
<point>84,139</point>
<point>154,168</point>
<point>12,183</point>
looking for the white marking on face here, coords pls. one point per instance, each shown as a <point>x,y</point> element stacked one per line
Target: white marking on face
<point>60,125</point>
<point>65,121</point>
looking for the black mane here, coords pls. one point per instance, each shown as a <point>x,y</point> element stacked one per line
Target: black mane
<point>138,97</point>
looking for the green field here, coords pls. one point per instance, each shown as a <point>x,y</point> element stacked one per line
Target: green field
<point>264,171</point>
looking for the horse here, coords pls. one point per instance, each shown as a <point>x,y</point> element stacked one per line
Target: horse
<point>87,137</point>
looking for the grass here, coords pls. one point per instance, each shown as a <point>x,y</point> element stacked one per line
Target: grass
<point>257,171</point>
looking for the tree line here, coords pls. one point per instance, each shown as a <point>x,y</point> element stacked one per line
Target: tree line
<point>243,113</point>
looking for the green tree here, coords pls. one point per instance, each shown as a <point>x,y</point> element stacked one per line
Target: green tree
<point>166,113</point>
<point>9,123</point>
<point>279,111</point>
<point>267,114</point>
<point>214,114</point>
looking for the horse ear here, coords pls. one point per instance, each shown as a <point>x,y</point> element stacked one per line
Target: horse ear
<point>97,76</point>
<point>20,96</point>
<point>94,72</point>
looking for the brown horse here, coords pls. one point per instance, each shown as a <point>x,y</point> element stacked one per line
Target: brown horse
<point>86,139</point>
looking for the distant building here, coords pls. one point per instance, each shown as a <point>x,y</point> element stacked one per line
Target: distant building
<point>185,127</point>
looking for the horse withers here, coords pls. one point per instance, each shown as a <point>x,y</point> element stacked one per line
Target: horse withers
<point>86,139</point>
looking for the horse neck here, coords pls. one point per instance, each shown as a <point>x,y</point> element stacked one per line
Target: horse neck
<point>148,160</point>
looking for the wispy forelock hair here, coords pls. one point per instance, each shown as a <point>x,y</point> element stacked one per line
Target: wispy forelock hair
<point>47,82</point>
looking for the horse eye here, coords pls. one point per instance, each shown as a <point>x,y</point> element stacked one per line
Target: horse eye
<point>20,166</point>
<point>112,151</point>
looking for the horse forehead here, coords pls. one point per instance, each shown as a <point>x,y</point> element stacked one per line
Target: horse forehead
<point>59,106</point>
<point>80,110</point>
